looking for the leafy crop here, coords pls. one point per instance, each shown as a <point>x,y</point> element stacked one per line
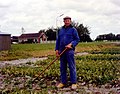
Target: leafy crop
<point>99,67</point>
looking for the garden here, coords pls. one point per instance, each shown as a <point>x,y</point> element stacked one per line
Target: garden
<point>98,71</point>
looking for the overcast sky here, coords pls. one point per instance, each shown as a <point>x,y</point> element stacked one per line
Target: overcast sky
<point>101,16</point>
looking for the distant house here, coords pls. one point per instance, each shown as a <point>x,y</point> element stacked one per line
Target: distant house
<point>32,38</point>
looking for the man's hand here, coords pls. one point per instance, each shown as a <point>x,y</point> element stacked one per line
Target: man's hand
<point>69,46</point>
<point>57,53</point>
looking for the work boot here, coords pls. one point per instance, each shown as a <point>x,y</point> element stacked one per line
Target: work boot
<point>60,85</point>
<point>74,86</point>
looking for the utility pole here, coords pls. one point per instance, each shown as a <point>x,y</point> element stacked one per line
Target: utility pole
<point>57,24</point>
<point>22,30</point>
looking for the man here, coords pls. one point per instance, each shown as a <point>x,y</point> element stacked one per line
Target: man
<point>67,37</point>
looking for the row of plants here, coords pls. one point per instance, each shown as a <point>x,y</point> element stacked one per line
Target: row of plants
<point>112,51</point>
<point>100,57</point>
<point>97,72</point>
<point>89,70</point>
<point>99,67</point>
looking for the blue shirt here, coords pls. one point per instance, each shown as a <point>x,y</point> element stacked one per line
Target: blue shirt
<point>67,35</point>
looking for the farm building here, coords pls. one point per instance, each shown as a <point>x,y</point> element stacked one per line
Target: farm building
<point>32,38</point>
<point>14,39</point>
<point>5,41</point>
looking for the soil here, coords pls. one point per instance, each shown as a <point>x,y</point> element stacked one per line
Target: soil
<point>83,88</point>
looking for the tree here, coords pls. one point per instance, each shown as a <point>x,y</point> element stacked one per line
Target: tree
<point>83,32</point>
<point>42,31</point>
<point>109,37</point>
<point>51,33</point>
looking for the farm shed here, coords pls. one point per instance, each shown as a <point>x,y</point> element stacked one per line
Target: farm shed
<point>5,41</point>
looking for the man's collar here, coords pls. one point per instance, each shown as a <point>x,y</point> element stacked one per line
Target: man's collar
<point>67,26</point>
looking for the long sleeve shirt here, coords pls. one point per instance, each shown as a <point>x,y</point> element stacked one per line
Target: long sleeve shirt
<point>67,35</point>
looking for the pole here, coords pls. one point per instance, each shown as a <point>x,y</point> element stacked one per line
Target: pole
<point>41,74</point>
<point>57,25</point>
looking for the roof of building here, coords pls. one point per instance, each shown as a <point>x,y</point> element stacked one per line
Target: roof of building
<point>31,35</point>
<point>4,33</point>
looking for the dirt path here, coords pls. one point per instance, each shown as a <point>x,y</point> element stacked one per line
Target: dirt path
<point>21,61</point>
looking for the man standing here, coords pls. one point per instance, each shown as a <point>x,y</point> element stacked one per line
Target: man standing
<point>67,38</point>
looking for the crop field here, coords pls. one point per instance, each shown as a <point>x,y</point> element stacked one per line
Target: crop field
<point>97,71</point>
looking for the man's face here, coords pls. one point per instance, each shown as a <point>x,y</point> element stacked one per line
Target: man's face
<point>67,22</point>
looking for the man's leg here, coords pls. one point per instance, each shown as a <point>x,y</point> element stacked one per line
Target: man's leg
<point>72,66</point>
<point>63,69</point>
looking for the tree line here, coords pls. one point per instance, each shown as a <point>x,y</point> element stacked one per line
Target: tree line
<point>83,32</point>
<point>109,37</point>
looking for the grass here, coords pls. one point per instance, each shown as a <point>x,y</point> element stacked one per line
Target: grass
<point>19,51</point>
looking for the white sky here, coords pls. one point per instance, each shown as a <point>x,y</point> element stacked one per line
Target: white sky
<point>101,16</point>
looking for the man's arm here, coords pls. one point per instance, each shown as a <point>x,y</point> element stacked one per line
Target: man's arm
<point>76,38</point>
<point>57,46</point>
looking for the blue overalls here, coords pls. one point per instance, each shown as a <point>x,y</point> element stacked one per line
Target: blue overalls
<point>66,36</point>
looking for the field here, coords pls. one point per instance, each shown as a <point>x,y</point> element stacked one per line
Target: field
<point>99,68</point>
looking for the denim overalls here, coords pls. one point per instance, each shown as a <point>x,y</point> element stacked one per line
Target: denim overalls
<point>66,36</point>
